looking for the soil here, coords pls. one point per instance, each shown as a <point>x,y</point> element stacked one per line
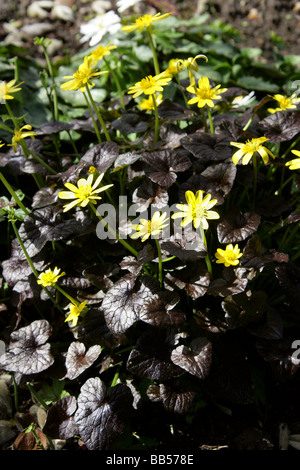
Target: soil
<point>256,20</point>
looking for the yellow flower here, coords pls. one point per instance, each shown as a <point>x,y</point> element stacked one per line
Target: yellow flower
<point>75,311</point>
<point>248,149</point>
<point>84,193</point>
<point>100,52</point>
<point>175,66</point>
<point>147,103</point>
<point>20,134</point>
<point>7,88</point>
<point>49,277</point>
<point>81,78</point>
<point>150,85</point>
<point>145,21</point>
<point>294,164</point>
<point>204,93</point>
<point>229,257</point>
<point>284,102</point>
<point>1,144</point>
<point>197,210</point>
<point>147,228</point>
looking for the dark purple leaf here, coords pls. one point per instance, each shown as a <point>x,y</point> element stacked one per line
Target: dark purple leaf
<point>159,310</point>
<point>171,135</point>
<point>199,181</point>
<point>16,268</point>
<point>195,359</point>
<point>270,328</point>
<point>151,357</point>
<point>162,166</point>
<point>44,197</point>
<point>207,147</point>
<point>194,278</point>
<point>244,309</point>
<point>129,301</point>
<point>235,226</point>
<point>177,396</point>
<point>149,193</point>
<point>93,330</point>
<point>188,248</point>
<point>273,206</point>
<point>99,274</point>
<point>101,156</point>
<point>233,282</point>
<point>47,224</point>
<point>279,354</point>
<point>171,111</point>
<point>71,175</point>
<point>60,421</point>
<point>78,359</point>
<point>132,123</point>
<point>281,126</point>
<point>28,351</point>
<point>101,415</point>
<point>255,255</point>
<point>135,265</point>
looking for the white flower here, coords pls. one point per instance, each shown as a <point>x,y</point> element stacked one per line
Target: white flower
<point>122,5</point>
<point>96,28</point>
<point>245,100</point>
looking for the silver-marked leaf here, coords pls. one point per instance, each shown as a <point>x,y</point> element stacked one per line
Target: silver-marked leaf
<point>101,415</point>
<point>196,359</point>
<point>120,305</point>
<point>28,352</point>
<point>60,421</point>
<point>78,359</point>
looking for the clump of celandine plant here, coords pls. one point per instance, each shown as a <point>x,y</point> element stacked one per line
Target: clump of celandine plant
<point>151,277</point>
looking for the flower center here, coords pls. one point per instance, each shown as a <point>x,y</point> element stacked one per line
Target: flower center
<point>147,84</point>
<point>84,192</point>
<point>144,21</point>
<point>198,211</point>
<point>285,103</point>
<point>206,93</point>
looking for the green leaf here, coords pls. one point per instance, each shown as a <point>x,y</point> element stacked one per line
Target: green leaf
<point>257,83</point>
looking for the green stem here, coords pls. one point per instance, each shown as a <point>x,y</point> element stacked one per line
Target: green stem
<point>28,152</point>
<point>207,258</point>
<point>249,122</point>
<point>211,125</point>
<point>36,395</point>
<point>57,287</point>
<point>115,235</point>
<point>119,88</point>
<point>204,119</point>
<point>29,260</point>
<point>254,160</point>
<point>13,194</point>
<point>93,119</point>
<point>115,379</point>
<point>100,118</point>
<point>156,128</point>
<point>155,61</point>
<point>160,270</point>
<point>51,73</point>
